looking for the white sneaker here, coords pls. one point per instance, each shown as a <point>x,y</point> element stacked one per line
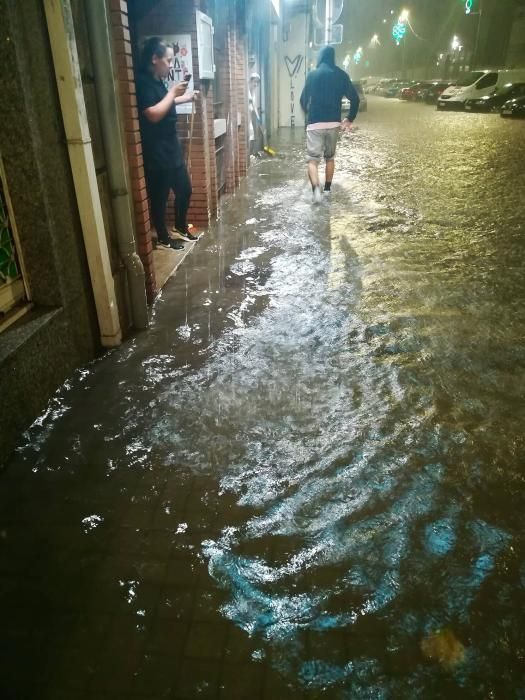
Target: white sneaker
<point>317,197</point>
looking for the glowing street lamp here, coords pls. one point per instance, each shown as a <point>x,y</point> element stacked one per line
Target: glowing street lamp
<point>399,33</point>
<point>456,45</point>
<point>375,40</point>
<point>400,29</point>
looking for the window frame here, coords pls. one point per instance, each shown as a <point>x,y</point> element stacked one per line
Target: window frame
<point>15,292</point>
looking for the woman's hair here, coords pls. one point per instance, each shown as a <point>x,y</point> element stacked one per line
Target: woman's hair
<point>154,46</point>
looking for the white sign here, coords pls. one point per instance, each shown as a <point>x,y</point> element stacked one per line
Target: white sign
<point>325,15</point>
<point>205,46</point>
<point>182,64</point>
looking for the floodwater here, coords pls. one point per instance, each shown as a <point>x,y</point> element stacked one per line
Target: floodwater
<point>307,479</point>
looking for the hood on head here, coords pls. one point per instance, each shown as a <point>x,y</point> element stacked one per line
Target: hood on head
<point>327,55</point>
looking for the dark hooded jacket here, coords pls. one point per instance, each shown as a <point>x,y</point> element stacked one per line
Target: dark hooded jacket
<point>324,89</point>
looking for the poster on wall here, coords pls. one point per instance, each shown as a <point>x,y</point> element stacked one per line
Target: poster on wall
<point>182,64</point>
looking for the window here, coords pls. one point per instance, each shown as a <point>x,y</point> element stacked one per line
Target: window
<point>469,79</point>
<point>488,81</point>
<point>12,288</point>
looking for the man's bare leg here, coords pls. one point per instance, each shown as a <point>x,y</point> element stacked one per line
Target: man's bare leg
<point>313,172</point>
<point>329,174</point>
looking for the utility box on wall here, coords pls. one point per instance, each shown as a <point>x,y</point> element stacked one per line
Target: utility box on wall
<point>205,46</point>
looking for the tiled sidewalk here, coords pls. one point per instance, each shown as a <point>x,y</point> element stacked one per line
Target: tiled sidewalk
<point>104,591</point>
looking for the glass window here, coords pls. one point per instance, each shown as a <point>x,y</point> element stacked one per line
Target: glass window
<point>12,289</point>
<point>488,81</point>
<point>469,78</point>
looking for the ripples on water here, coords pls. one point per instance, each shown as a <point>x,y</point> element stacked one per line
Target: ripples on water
<point>357,385</point>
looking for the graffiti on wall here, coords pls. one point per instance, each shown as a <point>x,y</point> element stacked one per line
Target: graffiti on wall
<point>293,66</point>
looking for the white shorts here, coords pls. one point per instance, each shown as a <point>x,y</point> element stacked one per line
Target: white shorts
<point>322,143</point>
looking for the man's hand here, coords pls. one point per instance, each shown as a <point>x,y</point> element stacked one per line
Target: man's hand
<point>347,126</point>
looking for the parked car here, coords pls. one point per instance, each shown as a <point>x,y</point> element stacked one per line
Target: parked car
<point>394,89</point>
<point>514,108</point>
<point>410,92</point>
<point>383,85</point>
<point>363,104</point>
<point>476,85</point>
<point>430,94</point>
<point>369,83</point>
<point>492,103</point>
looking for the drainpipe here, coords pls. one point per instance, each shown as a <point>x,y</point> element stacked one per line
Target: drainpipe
<point>69,83</point>
<point>112,134</point>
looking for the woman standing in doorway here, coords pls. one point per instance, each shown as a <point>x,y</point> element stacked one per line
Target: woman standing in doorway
<point>163,158</point>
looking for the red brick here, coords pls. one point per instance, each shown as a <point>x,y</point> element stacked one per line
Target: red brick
<point>126,74</point>
<point>134,150</point>
<point>143,220</point>
<point>145,248</point>
<point>139,184</point>
<point>136,162</point>
<point>118,6</point>
<point>137,173</point>
<point>123,43</point>
<point>128,101</point>
<point>124,61</point>
<point>140,205</point>
<point>131,123</point>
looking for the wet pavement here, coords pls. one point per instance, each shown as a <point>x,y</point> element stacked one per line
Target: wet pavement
<point>306,480</point>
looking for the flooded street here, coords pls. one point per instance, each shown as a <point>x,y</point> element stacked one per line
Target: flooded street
<point>306,480</point>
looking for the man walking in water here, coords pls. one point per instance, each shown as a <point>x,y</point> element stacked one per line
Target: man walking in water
<point>321,101</point>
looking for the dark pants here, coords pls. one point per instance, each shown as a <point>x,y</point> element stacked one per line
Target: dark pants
<point>159,183</point>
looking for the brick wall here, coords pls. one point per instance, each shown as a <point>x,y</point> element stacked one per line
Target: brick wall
<point>178,17</point>
<point>236,160</point>
<point>242,102</point>
<point>128,99</point>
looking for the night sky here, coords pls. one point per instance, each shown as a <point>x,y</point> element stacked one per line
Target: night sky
<point>434,21</point>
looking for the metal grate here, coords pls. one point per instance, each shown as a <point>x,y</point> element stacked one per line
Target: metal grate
<point>12,289</point>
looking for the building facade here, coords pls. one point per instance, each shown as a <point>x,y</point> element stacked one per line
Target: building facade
<point>77,260</point>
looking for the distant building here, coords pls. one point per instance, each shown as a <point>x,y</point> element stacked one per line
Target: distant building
<point>77,259</point>
<point>516,50</point>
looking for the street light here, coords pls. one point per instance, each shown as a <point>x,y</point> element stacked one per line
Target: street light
<point>455,44</point>
<point>399,34</point>
<point>375,40</point>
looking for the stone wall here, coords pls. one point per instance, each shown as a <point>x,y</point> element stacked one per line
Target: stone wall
<point>60,333</point>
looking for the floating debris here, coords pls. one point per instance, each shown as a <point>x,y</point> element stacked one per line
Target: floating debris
<point>443,646</point>
<point>91,522</point>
